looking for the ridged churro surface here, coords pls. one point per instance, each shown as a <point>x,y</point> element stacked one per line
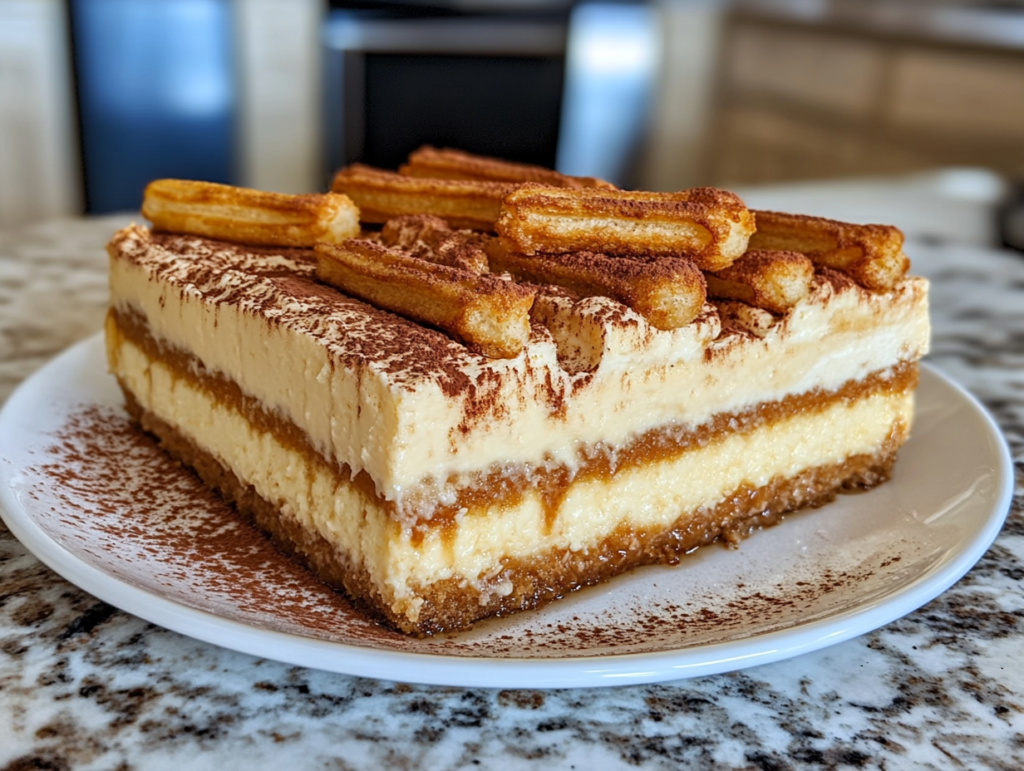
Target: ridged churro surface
<point>382,195</point>
<point>871,254</point>
<point>774,281</point>
<point>709,226</point>
<point>249,216</point>
<point>669,292</point>
<point>489,315</point>
<point>446,163</point>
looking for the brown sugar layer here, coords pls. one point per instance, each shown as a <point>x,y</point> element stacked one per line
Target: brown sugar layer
<point>506,486</point>
<point>452,604</point>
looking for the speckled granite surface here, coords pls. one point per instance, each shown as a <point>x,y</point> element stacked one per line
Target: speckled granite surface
<point>85,686</point>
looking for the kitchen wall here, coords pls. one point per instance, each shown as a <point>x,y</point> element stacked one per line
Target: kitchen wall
<point>748,92</point>
<point>817,90</point>
<point>277,133</point>
<point>39,172</point>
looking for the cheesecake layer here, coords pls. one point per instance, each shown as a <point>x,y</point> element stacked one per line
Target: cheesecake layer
<point>422,418</point>
<point>507,553</point>
<point>506,484</point>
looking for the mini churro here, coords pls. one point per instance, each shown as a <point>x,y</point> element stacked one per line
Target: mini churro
<point>870,254</point>
<point>708,225</point>
<point>490,315</point>
<point>456,164</point>
<point>669,292</point>
<point>249,216</point>
<point>430,238</point>
<point>382,195</point>
<point>361,424</point>
<point>775,281</point>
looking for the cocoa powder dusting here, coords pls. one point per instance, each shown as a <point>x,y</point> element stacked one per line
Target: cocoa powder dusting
<point>107,492</point>
<point>128,502</point>
<point>280,284</point>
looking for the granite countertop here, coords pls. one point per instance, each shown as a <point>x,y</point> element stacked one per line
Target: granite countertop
<point>86,686</point>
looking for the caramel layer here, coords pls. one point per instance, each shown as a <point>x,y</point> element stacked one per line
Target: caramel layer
<point>503,486</point>
<point>453,604</point>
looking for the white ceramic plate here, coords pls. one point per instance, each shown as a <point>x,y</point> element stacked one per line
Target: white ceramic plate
<point>102,506</point>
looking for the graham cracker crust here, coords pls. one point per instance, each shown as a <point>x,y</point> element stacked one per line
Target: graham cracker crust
<point>451,604</point>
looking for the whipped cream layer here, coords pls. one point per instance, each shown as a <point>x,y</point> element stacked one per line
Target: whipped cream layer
<point>420,414</point>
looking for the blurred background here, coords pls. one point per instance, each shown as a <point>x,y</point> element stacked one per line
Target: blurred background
<point>97,97</point>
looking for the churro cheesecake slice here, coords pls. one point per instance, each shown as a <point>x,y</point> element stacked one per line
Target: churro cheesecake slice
<point>345,399</point>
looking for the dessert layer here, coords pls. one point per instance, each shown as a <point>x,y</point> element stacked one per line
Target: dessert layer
<point>414,410</point>
<point>453,603</point>
<point>484,552</point>
<point>505,484</point>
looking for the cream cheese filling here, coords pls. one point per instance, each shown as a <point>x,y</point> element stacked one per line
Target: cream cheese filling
<point>649,497</point>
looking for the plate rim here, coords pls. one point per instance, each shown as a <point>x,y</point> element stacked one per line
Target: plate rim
<point>599,670</point>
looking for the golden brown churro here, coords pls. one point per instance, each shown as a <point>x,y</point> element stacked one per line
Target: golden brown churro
<point>490,315</point>
<point>249,216</point>
<point>669,292</point>
<point>445,163</point>
<point>382,195</point>
<point>775,281</point>
<point>872,255</point>
<point>707,225</point>
<point>430,238</point>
